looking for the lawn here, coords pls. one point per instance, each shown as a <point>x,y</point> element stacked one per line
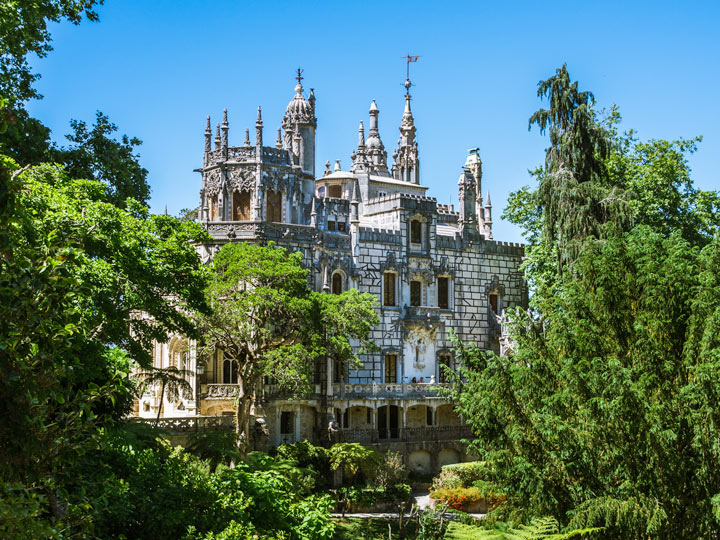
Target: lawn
<point>372,529</point>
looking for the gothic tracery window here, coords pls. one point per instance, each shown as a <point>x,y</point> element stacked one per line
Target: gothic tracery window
<point>241,206</point>
<point>274,206</point>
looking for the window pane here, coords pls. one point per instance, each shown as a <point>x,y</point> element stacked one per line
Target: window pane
<point>341,226</point>
<point>415,232</point>
<point>415,293</point>
<point>335,191</point>
<point>331,225</point>
<point>443,293</point>
<point>286,423</point>
<point>336,283</point>
<point>391,368</point>
<point>389,284</point>
<point>274,210</point>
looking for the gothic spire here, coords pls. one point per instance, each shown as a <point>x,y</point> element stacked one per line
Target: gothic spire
<point>278,142</point>
<point>259,129</point>
<point>217,137</point>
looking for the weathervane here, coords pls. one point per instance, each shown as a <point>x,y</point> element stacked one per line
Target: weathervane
<point>408,84</point>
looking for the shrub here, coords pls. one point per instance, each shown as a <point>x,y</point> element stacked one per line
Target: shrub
<point>460,498</point>
<point>460,475</point>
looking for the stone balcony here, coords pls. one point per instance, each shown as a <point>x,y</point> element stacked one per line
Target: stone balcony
<point>340,390</point>
<point>191,424</point>
<point>422,313</point>
<point>408,434</point>
<point>396,390</point>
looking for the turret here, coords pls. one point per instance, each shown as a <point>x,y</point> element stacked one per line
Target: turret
<point>359,158</point>
<point>488,218</point>
<point>473,164</point>
<point>300,121</point>
<point>375,150</point>
<point>466,199</point>
<point>406,164</point>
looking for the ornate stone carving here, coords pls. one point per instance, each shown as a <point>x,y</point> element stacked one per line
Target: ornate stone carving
<point>241,179</point>
<point>214,181</point>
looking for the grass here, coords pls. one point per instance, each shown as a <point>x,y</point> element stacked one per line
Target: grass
<point>371,529</point>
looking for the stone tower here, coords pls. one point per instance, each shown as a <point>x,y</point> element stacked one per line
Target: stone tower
<point>299,124</point>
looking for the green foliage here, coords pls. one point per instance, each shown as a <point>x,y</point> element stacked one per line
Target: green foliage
<point>265,317</point>
<point>308,456</point>
<point>95,155</point>
<point>546,528</point>
<point>354,458</point>
<point>215,446</point>
<point>74,273</point>
<point>23,31</point>
<point>603,413</point>
<point>391,470</point>
<point>461,475</point>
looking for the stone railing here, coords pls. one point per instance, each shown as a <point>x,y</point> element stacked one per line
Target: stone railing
<point>426,313</point>
<point>412,434</point>
<point>219,391</point>
<point>191,424</point>
<point>241,153</point>
<point>385,389</point>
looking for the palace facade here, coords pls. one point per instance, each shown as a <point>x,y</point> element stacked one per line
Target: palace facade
<point>434,268</point>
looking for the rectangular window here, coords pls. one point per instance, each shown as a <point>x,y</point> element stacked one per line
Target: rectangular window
<point>331,225</point>
<point>341,226</point>
<point>494,303</point>
<point>389,289</point>
<point>444,293</point>
<point>287,421</point>
<point>391,368</point>
<point>335,192</point>
<point>415,232</point>
<point>415,293</point>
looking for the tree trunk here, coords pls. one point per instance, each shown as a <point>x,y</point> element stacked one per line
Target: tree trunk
<point>160,407</point>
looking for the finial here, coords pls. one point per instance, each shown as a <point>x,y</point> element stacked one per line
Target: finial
<point>361,135</point>
<point>225,120</point>
<point>299,88</point>
<point>311,97</point>
<point>327,168</point>
<point>247,136</point>
<point>208,129</point>
<point>487,200</point>
<point>408,84</point>
<point>259,116</point>
<point>373,107</point>
<point>166,210</point>
<point>338,168</point>
<point>278,142</point>
<point>217,136</point>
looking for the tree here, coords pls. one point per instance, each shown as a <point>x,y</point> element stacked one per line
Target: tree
<point>266,320</point>
<point>172,379</point>
<point>603,412</point>
<point>23,31</point>
<point>85,287</point>
<point>95,155</point>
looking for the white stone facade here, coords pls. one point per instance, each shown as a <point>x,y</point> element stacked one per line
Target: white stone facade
<point>434,270</point>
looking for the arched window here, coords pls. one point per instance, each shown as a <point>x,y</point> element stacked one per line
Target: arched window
<point>241,206</point>
<point>337,286</point>
<point>274,206</point>
<point>214,208</point>
<point>230,372</point>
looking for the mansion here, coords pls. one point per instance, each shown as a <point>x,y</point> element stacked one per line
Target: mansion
<point>435,270</point>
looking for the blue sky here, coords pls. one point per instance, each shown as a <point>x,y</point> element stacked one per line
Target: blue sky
<point>157,68</point>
